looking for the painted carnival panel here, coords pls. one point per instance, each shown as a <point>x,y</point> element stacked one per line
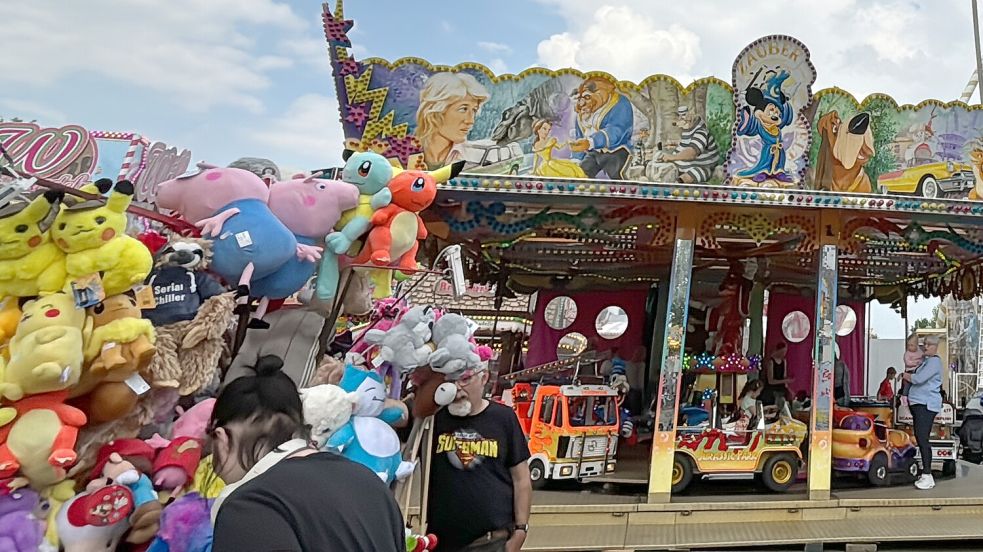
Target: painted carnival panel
<point>932,150</point>
<point>773,80</point>
<point>553,124</point>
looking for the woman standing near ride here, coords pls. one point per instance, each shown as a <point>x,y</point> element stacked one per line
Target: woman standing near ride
<point>775,376</point>
<point>925,401</point>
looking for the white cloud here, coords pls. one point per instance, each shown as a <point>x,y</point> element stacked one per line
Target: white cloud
<point>28,109</point>
<point>498,66</point>
<point>624,42</point>
<point>307,134</point>
<point>912,50</point>
<point>446,26</point>
<point>200,54</point>
<point>495,47</point>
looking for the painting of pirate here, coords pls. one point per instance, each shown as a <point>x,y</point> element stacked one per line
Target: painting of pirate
<point>767,113</point>
<point>602,136</point>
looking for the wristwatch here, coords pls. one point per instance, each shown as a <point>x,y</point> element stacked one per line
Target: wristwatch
<point>524,527</point>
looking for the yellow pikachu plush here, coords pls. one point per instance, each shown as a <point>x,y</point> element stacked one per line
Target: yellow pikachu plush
<point>93,235</point>
<point>46,352</point>
<point>30,264</point>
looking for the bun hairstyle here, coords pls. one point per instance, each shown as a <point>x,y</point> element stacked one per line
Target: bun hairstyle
<point>261,412</point>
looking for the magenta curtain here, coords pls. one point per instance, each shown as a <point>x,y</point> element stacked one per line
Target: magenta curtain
<point>800,354</point>
<point>543,339</point>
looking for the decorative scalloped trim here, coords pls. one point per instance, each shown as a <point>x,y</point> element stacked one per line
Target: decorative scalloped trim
<point>553,73</point>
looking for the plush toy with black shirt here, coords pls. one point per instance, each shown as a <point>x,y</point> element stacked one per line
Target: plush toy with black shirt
<point>192,314</point>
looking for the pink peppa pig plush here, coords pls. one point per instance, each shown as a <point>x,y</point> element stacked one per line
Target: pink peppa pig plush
<point>178,458</point>
<point>230,206</point>
<point>310,207</point>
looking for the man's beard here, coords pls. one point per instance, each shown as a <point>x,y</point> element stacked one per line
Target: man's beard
<point>460,407</point>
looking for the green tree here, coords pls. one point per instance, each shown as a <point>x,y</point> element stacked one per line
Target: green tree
<point>720,117</point>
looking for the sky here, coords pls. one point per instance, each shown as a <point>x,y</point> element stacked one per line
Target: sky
<point>237,78</point>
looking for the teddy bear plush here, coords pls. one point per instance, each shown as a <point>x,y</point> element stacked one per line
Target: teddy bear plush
<point>46,352</point>
<point>368,438</point>
<point>405,344</point>
<point>455,353</point>
<point>122,342</point>
<point>92,233</point>
<point>326,408</point>
<point>30,264</point>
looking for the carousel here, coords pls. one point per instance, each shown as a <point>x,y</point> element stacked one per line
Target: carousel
<point>675,243</point>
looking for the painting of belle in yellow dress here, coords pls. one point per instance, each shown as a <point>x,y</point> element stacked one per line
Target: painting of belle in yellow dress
<point>544,164</point>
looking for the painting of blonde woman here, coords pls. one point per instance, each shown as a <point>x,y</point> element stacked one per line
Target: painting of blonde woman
<point>544,146</point>
<point>449,105</point>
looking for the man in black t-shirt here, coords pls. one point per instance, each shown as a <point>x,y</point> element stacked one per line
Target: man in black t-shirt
<point>480,491</point>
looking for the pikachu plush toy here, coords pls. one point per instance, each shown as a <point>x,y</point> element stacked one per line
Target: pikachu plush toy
<point>30,264</point>
<point>92,235</point>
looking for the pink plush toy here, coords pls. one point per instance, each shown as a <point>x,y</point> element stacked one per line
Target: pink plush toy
<point>230,206</point>
<point>178,458</point>
<point>310,207</point>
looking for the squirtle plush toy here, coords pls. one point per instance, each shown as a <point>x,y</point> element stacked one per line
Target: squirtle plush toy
<point>92,234</point>
<point>370,173</point>
<point>368,438</point>
<point>30,264</point>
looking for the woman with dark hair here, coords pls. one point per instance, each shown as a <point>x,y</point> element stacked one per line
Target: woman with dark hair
<point>282,493</point>
<point>776,372</point>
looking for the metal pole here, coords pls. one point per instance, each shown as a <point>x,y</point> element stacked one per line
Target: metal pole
<point>976,38</point>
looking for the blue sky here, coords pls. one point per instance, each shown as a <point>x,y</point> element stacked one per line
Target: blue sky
<point>233,78</point>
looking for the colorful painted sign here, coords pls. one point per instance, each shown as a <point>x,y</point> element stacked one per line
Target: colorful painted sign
<point>568,124</point>
<point>553,124</point>
<point>772,89</point>
<point>73,156</point>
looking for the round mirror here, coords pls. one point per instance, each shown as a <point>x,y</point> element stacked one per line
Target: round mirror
<point>611,322</point>
<point>571,345</point>
<point>846,320</point>
<point>795,326</point>
<point>560,312</point>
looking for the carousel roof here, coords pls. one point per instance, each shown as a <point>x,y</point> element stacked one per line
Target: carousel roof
<point>587,233</point>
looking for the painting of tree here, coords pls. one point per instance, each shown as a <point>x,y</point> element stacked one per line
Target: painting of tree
<point>884,125</point>
<point>720,117</point>
<point>658,102</point>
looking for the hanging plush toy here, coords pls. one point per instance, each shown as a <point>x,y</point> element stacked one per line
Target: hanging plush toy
<point>30,264</point>
<point>93,236</point>
<point>326,408</point>
<point>192,315</point>
<point>368,438</point>
<point>405,345</point>
<point>230,206</point>
<point>370,173</point>
<point>46,352</point>
<point>397,228</point>
<point>310,207</point>
<point>455,353</point>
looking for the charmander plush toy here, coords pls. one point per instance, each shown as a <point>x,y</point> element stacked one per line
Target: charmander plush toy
<point>46,350</point>
<point>40,442</point>
<point>30,264</point>
<point>92,233</point>
<point>397,228</point>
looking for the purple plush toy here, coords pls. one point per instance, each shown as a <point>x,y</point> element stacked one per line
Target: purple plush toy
<point>185,526</point>
<point>22,525</point>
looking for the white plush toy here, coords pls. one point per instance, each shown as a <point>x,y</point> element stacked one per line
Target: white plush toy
<point>405,344</point>
<point>455,353</point>
<point>326,408</point>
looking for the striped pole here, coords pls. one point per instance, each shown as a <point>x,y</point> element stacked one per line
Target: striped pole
<point>131,154</point>
<point>976,37</point>
<point>970,88</point>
